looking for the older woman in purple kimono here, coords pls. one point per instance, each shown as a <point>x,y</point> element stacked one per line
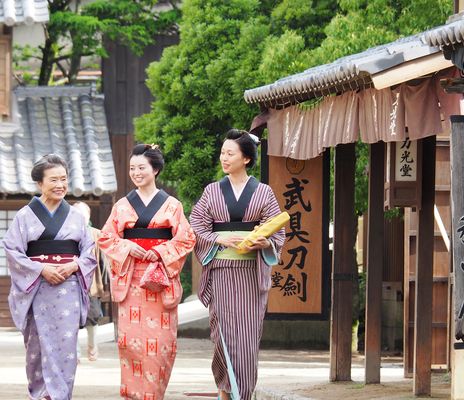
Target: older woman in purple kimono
<point>50,256</point>
<point>235,286</point>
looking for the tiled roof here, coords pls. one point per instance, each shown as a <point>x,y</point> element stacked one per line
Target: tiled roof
<point>13,12</point>
<point>449,34</point>
<point>353,71</point>
<point>69,121</point>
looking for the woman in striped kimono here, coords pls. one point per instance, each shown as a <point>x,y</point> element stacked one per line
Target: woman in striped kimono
<point>145,227</point>
<point>50,255</point>
<point>235,286</point>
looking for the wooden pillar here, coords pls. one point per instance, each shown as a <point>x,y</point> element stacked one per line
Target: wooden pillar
<point>375,240</point>
<point>424,274</point>
<point>457,216</point>
<point>342,268</point>
<point>121,146</point>
<point>458,6</point>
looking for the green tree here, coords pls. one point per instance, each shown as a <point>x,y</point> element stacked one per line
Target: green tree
<point>199,84</point>
<point>76,31</point>
<point>306,18</point>
<point>362,24</point>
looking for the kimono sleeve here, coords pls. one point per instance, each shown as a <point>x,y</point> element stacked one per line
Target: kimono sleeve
<point>271,255</point>
<point>24,272</point>
<point>174,251</point>
<point>202,224</point>
<point>114,246</point>
<point>86,260</point>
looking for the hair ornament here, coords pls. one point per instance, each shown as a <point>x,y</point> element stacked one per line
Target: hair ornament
<point>254,138</point>
<point>154,146</point>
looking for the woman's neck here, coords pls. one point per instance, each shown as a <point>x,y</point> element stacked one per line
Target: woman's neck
<point>147,192</point>
<point>50,204</point>
<point>239,178</point>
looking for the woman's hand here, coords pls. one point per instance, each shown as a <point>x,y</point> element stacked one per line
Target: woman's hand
<point>150,255</point>
<point>258,244</point>
<point>52,275</point>
<point>67,269</point>
<point>231,241</point>
<point>137,251</point>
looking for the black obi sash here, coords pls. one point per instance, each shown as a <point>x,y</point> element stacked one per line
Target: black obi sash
<point>236,207</point>
<point>46,243</point>
<point>146,214</point>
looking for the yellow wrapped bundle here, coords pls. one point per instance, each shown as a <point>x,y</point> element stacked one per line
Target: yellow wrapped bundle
<point>270,227</point>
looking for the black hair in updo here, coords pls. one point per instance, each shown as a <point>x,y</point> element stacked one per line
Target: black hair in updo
<point>47,162</point>
<point>152,153</point>
<point>248,146</point>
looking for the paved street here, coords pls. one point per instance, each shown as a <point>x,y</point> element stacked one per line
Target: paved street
<point>279,370</point>
<point>283,374</point>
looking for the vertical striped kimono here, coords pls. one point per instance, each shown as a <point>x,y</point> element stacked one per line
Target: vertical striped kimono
<point>236,291</point>
<point>147,321</point>
<point>49,315</point>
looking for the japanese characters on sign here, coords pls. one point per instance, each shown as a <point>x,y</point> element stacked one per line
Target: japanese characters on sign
<point>403,175</point>
<point>296,283</point>
<point>406,160</point>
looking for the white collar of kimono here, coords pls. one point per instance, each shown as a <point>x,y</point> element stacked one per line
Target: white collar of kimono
<point>238,191</point>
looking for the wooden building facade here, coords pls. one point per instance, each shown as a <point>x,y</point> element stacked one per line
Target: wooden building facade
<point>127,97</point>
<point>378,99</point>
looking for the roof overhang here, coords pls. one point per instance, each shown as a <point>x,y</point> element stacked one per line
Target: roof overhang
<point>28,12</point>
<point>446,35</point>
<point>380,67</point>
<point>69,121</point>
<point>410,70</point>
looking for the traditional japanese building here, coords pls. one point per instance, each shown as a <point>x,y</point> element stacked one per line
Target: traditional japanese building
<point>35,121</point>
<point>94,133</point>
<point>71,122</point>
<point>390,97</point>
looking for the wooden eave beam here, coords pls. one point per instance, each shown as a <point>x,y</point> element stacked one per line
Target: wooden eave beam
<point>411,70</point>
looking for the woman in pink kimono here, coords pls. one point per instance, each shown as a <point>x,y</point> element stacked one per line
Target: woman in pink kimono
<point>50,256</point>
<point>235,286</point>
<point>145,227</point>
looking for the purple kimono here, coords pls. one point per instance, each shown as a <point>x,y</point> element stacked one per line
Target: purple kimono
<point>236,291</point>
<point>48,315</point>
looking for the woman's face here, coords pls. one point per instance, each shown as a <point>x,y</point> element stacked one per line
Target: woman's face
<point>141,172</point>
<point>54,185</point>
<point>232,159</point>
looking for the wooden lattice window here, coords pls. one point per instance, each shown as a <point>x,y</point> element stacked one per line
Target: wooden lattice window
<point>5,72</point>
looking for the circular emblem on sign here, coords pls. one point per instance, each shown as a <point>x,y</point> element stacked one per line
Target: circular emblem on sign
<point>294,166</point>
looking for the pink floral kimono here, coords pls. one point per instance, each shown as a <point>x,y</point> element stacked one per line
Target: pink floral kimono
<point>147,321</point>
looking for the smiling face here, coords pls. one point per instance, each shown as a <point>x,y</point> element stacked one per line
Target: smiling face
<point>141,172</point>
<point>54,184</point>
<point>232,159</point>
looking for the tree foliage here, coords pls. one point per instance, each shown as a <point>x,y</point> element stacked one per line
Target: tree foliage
<point>362,24</point>
<point>229,46</point>
<point>199,84</point>
<point>76,31</point>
